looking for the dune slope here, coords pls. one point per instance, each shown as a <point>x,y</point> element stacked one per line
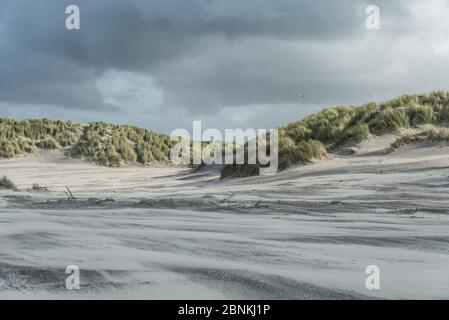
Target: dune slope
<point>308,232</point>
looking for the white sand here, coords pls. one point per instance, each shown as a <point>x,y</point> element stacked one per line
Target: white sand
<point>308,232</point>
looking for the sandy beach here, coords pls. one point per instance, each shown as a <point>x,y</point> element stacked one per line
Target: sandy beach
<point>172,233</point>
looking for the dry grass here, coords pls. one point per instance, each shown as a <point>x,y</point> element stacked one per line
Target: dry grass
<point>441,135</point>
<point>5,183</point>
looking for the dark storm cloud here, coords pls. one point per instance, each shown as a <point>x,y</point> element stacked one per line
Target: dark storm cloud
<point>201,54</point>
<point>42,62</point>
<point>137,33</point>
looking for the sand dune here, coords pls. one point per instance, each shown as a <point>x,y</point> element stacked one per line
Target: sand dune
<point>306,233</point>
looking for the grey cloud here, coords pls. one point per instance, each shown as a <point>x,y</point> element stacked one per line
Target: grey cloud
<point>138,34</point>
<point>206,54</point>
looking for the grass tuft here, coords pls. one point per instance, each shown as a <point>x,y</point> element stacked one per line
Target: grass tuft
<point>441,135</point>
<point>5,183</point>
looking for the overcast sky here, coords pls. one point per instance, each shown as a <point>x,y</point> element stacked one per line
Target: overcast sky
<point>162,63</point>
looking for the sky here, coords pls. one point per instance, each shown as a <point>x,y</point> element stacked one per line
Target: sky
<point>160,64</point>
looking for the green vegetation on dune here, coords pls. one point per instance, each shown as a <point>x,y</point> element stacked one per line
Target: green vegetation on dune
<point>29,135</point>
<point>315,135</point>
<point>299,142</point>
<point>113,145</point>
<point>105,144</point>
<point>339,125</point>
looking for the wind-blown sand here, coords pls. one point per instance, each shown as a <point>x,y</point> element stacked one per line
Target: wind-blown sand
<point>306,233</point>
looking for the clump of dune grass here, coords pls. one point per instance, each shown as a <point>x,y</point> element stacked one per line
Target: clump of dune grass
<point>303,152</point>
<point>327,130</point>
<point>29,135</point>
<point>239,171</point>
<point>404,139</point>
<point>114,145</point>
<point>289,153</point>
<point>9,148</point>
<point>103,143</point>
<point>357,133</point>
<point>391,120</point>
<point>47,143</point>
<point>5,183</point>
<point>421,114</point>
<point>441,135</point>
<point>438,135</point>
<point>442,113</point>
